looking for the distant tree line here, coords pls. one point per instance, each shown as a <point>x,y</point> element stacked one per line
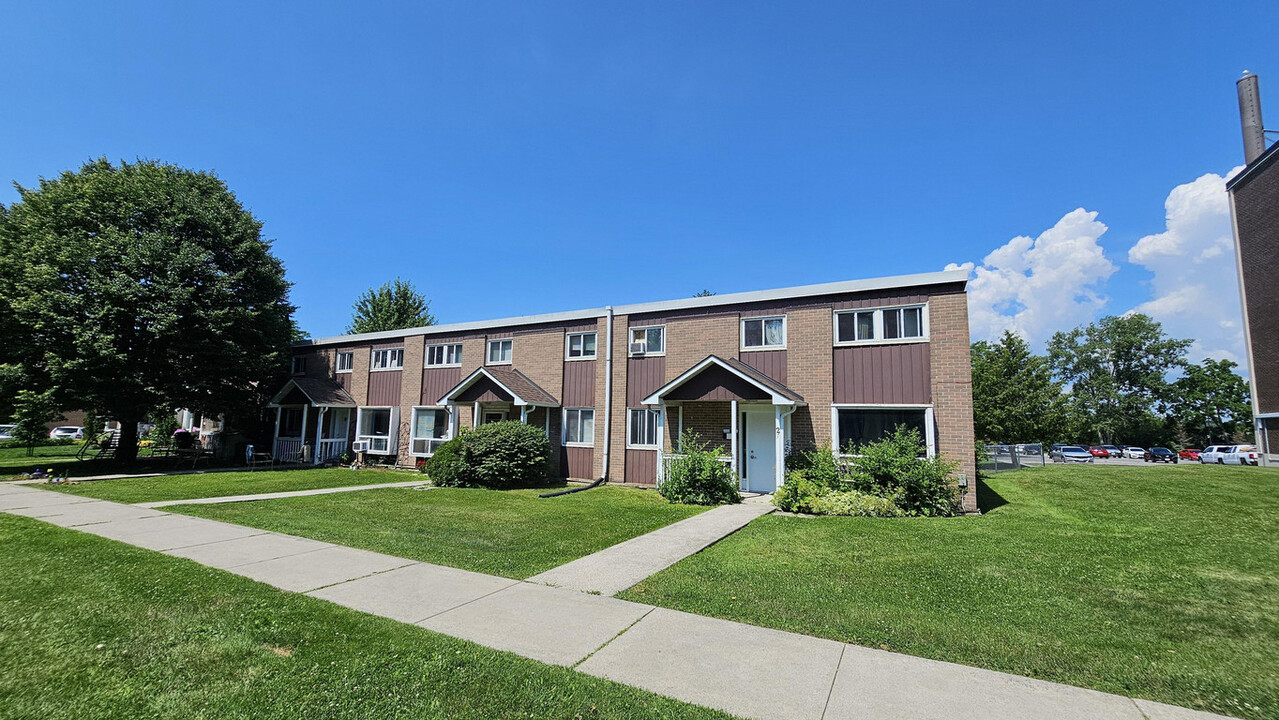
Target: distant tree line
<point>1121,379</point>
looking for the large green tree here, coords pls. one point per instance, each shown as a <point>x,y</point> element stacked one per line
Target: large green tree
<point>1117,371</point>
<point>1211,403</point>
<point>140,286</point>
<point>393,306</point>
<point>1015,398</point>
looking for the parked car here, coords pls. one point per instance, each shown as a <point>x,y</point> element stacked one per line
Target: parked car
<point>1243,455</point>
<point>67,431</point>
<point>1158,454</point>
<point>1070,454</point>
<point>1189,454</point>
<point>1134,452</point>
<point>1113,450</point>
<point>1215,454</point>
<point>1098,451</point>
<point>1029,449</point>
<point>6,432</point>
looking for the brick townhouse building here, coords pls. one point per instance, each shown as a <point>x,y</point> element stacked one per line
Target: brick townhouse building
<point>756,374</point>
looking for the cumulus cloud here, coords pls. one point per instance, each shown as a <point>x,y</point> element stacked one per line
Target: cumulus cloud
<point>1195,288</point>
<point>1036,286</point>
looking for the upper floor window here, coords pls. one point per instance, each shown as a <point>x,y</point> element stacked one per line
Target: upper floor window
<point>648,340</point>
<point>388,359</point>
<point>299,365</point>
<point>345,360</point>
<point>886,324</point>
<point>444,355</point>
<point>581,346</point>
<point>499,352</point>
<point>764,333</point>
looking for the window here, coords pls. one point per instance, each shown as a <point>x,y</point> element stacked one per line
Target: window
<point>444,355</point>
<point>290,422</point>
<point>648,340</point>
<point>388,359</point>
<point>499,352</point>
<point>430,429</point>
<point>642,427</point>
<point>764,332</point>
<point>581,346</point>
<point>579,426</point>
<point>375,426</point>
<point>345,360</point>
<point>859,426</point>
<point>888,324</point>
<point>299,365</point>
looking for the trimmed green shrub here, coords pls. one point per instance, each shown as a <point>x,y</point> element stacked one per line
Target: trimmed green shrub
<point>854,503</point>
<point>795,494</point>
<point>896,467</point>
<point>500,456</point>
<point>697,477</point>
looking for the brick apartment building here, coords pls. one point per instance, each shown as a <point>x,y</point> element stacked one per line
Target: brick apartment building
<point>757,374</point>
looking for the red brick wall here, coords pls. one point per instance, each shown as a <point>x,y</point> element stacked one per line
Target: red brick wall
<point>952,381</point>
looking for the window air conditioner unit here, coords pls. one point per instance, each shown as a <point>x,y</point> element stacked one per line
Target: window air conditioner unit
<point>360,446</point>
<point>638,348</point>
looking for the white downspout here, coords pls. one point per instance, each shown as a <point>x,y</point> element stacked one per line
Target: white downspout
<point>608,388</point>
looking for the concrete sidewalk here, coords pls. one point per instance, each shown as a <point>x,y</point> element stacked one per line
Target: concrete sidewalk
<point>745,670</point>
<point>278,495</point>
<point>616,568</point>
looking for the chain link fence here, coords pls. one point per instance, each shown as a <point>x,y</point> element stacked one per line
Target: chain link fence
<point>999,458</point>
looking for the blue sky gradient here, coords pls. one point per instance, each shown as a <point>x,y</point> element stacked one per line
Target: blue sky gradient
<point>506,157</point>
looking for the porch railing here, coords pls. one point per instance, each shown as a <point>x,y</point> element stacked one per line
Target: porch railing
<point>664,461</point>
<point>330,450</point>
<point>287,449</point>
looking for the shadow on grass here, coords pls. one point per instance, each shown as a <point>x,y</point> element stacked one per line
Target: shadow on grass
<point>987,498</point>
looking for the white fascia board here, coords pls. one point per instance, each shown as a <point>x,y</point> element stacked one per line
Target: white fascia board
<point>656,399</point>
<point>847,286</point>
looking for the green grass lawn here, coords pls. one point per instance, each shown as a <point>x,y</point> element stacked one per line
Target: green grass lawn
<point>1161,582</point>
<point>12,459</point>
<point>189,487</point>
<point>91,628</point>
<point>511,533</point>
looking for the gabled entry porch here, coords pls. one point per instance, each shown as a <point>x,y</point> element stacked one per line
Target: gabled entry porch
<point>736,408</point>
<point>493,394</point>
<point>313,419</point>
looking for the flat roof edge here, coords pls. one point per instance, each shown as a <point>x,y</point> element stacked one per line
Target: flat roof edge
<point>943,277</point>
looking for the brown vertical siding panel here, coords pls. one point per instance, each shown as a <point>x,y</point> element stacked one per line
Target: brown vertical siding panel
<point>579,383</point>
<point>876,374</point>
<point>578,462</point>
<point>437,381</point>
<point>643,377</point>
<point>641,467</point>
<point>384,387</point>
<point>770,362</point>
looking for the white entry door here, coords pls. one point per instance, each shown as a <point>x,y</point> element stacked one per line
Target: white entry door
<point>760,453</point>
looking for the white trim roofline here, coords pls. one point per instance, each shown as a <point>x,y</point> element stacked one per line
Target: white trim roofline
<point>474,377</point>
<point>689,374</point>
<point>846,286</point>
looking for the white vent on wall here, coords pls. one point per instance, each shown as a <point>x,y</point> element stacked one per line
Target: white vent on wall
<point>360,446</point>
<point>638,348</point>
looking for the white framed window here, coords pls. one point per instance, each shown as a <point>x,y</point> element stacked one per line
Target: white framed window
<point>856,425</point>
<point>500,352</point>
<point>298,366</point>
<point>580,346</point>
<point>882,325</point>
<point>643,427</point>
<point>392,359</point>
<point>767,333</point>
<point>378,426</point>
<point>449,355</point>
<point>648,340</point>
<point>579,427</point>
<point>430,430</point>
<point>345,361</point>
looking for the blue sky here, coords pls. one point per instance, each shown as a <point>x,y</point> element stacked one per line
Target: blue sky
<point>508,156</point>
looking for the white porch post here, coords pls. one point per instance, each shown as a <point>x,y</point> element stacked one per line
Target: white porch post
<point>733,436</point>
<point>304,410</point>
<point>453,409</point>
<point>475,415</point>
<point>679,439</point>
<point>524,410</point>
<point>276,439</point>
<point>779,447</point>
<point>319,425</point>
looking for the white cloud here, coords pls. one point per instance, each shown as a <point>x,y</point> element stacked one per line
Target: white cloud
<point>1035,287</point>
<point>1195,288</point>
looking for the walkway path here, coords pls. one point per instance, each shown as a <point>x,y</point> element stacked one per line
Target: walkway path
<point>278,495</point>
<point>616,568</point>
<point>745,670</point>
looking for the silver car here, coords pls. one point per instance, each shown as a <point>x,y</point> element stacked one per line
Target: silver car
<point>1071,454</point>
